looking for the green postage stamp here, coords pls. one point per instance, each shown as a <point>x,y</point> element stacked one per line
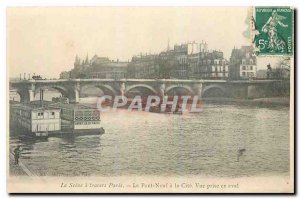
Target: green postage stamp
<point>274,30</point>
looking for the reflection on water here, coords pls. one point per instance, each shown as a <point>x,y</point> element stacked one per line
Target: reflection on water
<point>139,143</point>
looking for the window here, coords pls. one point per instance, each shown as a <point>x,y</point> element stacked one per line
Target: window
<point>243,61</point>
<point>244,67</point>
<point>251,67</point>
<point>244,74</point>
<point>251,61</point>
<point>40,115</point>
<point>52,114</point>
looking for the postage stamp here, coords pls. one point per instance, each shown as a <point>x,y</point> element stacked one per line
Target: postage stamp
<point>274,30</point>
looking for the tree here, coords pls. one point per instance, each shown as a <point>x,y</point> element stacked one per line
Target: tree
<point>282,70</point>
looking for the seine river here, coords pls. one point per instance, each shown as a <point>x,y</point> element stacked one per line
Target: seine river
<point>139,143</point>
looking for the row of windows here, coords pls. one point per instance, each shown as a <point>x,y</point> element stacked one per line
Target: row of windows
<point>250,61</point>
<point>247,67</point>
<point>86,118</point>
<point>219,68</point>
<point>86,123</point>
<point>216,62</point>
<point>182,60</point>
<point>87,113</point>
<point>247,74</point>
<point>42,113</point>
<point>219,75</point>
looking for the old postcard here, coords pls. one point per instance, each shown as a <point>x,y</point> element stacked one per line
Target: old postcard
<point>150,99</point>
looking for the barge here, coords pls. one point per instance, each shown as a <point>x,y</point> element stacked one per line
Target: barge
<point>79,119</point>
<point>34,120</point>
<point>43,119</point>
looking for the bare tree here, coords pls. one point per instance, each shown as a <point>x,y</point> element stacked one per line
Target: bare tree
<point>282,70</point>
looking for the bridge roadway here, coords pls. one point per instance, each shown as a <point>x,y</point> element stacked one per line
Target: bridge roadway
<point>72,88</point>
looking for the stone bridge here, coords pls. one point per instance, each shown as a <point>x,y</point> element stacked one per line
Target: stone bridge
<point>72,88</point>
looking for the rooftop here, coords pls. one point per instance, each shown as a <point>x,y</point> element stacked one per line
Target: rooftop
<point>71,106</point>
<point>33,105</point>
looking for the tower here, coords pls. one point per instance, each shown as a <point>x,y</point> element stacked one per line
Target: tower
<point>77,61</point>
<point>86,59</point>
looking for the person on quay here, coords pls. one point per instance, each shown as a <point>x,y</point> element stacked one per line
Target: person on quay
<point>17,153</point>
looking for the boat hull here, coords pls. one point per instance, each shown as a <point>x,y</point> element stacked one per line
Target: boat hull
<point>81,132</point>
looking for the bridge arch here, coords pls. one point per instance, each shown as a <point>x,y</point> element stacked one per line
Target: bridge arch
<point>185,87</point>
<point>150,88</point>
<point>106,89</point>
<point>214,90</point>
<point>61,89</point>
<point>24,95</point>
<point>69,93</point>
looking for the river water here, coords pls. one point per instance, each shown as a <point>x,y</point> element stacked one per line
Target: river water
<point>139,143</point>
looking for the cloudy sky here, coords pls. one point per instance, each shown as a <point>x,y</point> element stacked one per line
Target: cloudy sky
<point>46,40</point>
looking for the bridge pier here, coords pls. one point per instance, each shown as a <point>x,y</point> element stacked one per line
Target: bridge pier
<point>74,96</point>
<point>198,90</point>
<point>162,89</point>
<point>122,89</point>
<point>31,95</point>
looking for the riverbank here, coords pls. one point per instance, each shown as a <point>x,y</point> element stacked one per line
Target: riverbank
<point>18,170</point>
<point>15,170</point>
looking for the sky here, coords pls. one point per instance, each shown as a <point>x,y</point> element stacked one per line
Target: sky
<point>45,41</point>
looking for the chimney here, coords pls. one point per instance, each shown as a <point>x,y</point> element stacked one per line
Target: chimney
<point>41,97</point>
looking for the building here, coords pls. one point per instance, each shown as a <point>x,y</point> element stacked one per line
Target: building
<point>36,119</point>
<point>242,63</point>
<point>208,65</point>
<point>190,60</point>
<point>110,70</point>
<point>143,67</point>
<point>99,67</point>
<point>172,63</point>
<point>180,66</point>
<point>193,61</point>
<point>167,65</point>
